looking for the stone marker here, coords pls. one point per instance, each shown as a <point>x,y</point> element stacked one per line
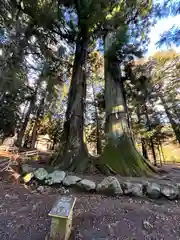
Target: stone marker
<point>61,213</point>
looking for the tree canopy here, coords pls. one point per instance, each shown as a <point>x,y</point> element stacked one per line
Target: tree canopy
<point>76,70</point>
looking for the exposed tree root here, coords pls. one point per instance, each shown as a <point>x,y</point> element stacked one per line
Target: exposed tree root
<point>122,157</point>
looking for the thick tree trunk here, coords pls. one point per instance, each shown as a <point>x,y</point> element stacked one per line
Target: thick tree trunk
<point>175,127</point>
<point>120,153</point>
<point>74,155</point>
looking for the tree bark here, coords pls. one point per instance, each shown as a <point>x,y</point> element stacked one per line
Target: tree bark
<point>27,135</point>
<point>164,160</point>
<point>98,136</point>
<point>74,155</point>
<point>148,123</point>
<point>160,158</point>
<point>144,148</point>
<point>28,113</point>
<point>143,140</point>
<point>34,134</point>
<point>120,153</point>
<point>26,120</point>
<point>36,123</point>
<point>15,63</point>
<point>153,151</point>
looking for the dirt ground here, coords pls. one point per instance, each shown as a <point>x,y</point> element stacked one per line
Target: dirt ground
<point>24,215</point>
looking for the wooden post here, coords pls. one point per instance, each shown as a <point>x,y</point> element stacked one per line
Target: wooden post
<point>61,223</point>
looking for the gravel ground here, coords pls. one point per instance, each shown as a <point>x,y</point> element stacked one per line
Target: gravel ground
<point>24,216</point>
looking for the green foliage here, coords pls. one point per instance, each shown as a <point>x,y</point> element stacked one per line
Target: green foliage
<point>39,39</point>
<point>161,74</point>
<point>163,57</point>
<point>165,9</point>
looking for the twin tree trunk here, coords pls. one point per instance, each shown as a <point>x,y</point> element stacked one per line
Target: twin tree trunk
<point>73,153</point>
<point>120,153</point>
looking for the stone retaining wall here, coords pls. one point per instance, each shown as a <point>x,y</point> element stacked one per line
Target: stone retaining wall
<point>110,185</point>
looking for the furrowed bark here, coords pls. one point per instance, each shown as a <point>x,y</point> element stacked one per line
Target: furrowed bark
<point>120,153</point>
<point>74,155</point>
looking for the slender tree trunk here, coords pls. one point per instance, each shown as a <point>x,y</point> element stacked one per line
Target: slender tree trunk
<point>54,144</point>
<point>24,111</point>
<point>27,135</point>
<point>28,113</point>
<point>144,148</point>
<point>36,123</point>
<point>34,134</point>
<point>175,127</point>
<point>98,136</point>
<point>151,138</point>
<point>15,63</point>
<point>143,140</point>
<point>164,160</point>
<point>153,151</point>
<point>26,120</point>
<point>160,158</point>
<point>74,155</point>
<point>120,153</point>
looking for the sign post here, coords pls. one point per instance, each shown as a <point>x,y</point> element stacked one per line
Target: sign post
<point>61,222</point>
